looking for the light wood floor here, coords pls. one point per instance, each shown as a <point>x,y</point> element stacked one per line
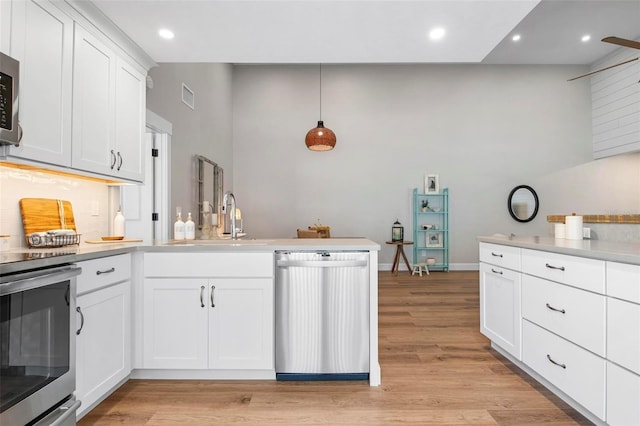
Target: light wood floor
<point>436,369</point>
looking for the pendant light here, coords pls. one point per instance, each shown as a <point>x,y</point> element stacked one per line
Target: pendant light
<point>320,138</point>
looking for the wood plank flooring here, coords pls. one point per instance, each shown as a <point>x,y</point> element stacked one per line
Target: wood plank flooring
<point>437,369</point>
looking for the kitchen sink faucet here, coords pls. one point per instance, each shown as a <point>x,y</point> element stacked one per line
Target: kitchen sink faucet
<point>229,198</point>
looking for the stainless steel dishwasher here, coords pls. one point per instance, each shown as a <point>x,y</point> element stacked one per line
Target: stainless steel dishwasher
<point>322,315</point>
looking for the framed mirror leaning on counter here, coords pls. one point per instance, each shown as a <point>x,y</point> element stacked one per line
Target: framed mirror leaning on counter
<point>208,193</point>
<point>523,203</point>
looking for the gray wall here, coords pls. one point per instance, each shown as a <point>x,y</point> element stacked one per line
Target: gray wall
<point>205,130</point>
<point>483,129</point>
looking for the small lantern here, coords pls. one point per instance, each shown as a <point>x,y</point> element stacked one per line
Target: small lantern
<point>397,232</point>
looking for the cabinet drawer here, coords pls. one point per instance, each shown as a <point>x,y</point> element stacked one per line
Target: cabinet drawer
<point>587,274</point>
<point>577,372</point>
<point>98,273</point>
<point>623,394</point>
<point>623,281</point>
<point>623,333</point>
<point>504,256</point>
<point>208,264</point>
<point>577,315</point>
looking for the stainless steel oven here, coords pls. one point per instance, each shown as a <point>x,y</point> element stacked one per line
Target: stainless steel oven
<point>37,346</point>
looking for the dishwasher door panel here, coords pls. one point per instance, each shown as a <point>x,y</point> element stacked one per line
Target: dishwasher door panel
<point>322,313</point>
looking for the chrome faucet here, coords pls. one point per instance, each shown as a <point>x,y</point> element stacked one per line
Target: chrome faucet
<point>229,198</point>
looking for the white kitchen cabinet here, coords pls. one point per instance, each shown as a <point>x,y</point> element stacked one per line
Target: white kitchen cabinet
<point>623,396</point>
<point>199,323</point>
<point>241,329</point>
<point>42,40</point>
<point>210,311</point>
<point>572,369</point>
<point>500,316</point>
<point>103,342</point>
<point>175,323</point>
<point>577,315</point>
<point>108,110</point>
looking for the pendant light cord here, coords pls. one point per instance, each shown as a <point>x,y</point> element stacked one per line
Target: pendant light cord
<point>320,79</point>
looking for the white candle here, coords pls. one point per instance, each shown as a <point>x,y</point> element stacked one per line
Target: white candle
<point>214,219</point>
<point>205,206</point>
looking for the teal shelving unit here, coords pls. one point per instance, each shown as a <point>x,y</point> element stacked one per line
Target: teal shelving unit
<point>431,229</point>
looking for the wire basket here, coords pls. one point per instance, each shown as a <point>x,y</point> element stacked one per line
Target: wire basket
<point>44,239</point>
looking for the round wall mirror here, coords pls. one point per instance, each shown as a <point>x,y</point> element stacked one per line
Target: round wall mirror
<point>523,203</point>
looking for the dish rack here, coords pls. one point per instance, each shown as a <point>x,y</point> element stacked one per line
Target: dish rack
<point>51,239</point>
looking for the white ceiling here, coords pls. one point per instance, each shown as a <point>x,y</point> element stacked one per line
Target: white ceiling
<point>361,31</point>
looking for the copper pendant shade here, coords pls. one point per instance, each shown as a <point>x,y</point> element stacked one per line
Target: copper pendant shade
<point>320,138</point>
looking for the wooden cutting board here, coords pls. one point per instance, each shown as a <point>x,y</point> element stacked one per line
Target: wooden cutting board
<point>45,214</point>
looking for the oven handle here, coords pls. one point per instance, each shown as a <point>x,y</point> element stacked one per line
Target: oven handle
<point>66,411</point>
<point>10,284</point>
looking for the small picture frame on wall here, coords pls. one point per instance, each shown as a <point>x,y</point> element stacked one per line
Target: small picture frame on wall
<point>433,239</point>
<point>431,184</point>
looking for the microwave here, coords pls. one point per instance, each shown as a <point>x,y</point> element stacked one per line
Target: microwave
<point>10,131</point>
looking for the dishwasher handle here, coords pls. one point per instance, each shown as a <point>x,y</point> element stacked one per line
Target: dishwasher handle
<point>321,263</point>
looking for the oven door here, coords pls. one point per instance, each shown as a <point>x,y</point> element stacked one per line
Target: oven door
<point>37,342</point>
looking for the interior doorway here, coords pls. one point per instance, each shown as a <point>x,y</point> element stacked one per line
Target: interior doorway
<point>147,206</point>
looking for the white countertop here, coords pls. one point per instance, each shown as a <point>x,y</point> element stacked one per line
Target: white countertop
<point>594,249</point>
<point>23,259</point>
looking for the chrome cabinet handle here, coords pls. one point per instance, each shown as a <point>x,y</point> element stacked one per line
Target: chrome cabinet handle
<point>555,363</point>
<point>554,267</point>
<point>213,287</point>
<point>78,310</point>
<point>202,297</point>
<point>113,159</point>
<point>496,254</point>
<point>556,309</point>
<point>119,161</point>
<point>108,271</point>
<point>495,271</point>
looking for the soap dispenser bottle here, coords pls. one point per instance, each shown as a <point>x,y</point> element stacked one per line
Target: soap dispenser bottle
<point>178,227</point>
<point>189,228</point>
<point>118,224</point>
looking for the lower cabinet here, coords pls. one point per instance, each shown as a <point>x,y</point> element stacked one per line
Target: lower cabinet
<point>213,323</point>
<point>623,396</point>
<point>103,348</point>
<point>500,316</point>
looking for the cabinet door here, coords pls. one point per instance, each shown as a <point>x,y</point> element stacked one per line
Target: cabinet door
<point>129,121</point>
<point>103,347</point>
<point>623,396</point>
<point>175,323</point>
<point>42,40</point>
<point>241,324</point>
<point>93,104</point>
<point>500,314</point>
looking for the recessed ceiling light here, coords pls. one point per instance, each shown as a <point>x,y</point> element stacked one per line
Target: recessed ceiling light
<point>436,33</point>
<point>516,37</point>
<point>166,34</point>
<point>586,38</point>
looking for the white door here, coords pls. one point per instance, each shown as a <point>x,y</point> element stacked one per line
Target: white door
<point>241,324</point>
<point>500,313</point>
<point>103,347</point>
<point>175,323</point>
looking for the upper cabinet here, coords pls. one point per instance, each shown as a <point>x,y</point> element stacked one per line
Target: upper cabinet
<point>108,110</point>
<point>82,89</point>
<point>42,40</point>
<point>615,100</point>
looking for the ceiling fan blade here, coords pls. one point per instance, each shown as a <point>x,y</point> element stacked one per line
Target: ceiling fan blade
<point>603,69</point>
<point>622,42</point>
